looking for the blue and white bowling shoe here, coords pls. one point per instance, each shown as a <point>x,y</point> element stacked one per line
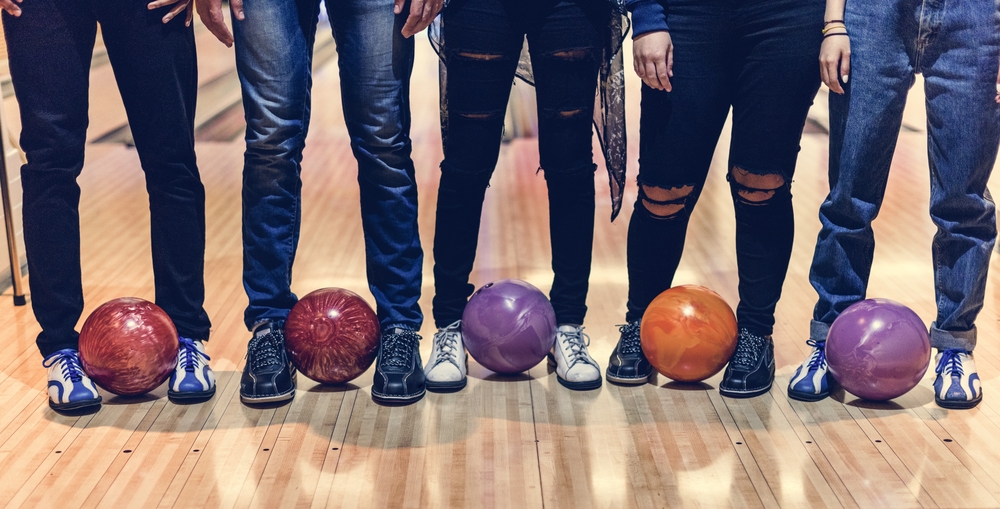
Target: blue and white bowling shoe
<point>69,387</point>
<point>811,381</point>
<point>957,385</point>
<point>193,377</point>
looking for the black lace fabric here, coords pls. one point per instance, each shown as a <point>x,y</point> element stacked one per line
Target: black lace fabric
<point>609,113</point>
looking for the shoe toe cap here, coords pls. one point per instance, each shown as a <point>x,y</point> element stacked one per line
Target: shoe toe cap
<point>445,373</point>
<point>583,373</point>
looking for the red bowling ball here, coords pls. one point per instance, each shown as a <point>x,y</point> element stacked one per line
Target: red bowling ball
<point>128,346</point>
<point>332,335</point>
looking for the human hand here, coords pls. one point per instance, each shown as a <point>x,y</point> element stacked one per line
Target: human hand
<point>653,59</point>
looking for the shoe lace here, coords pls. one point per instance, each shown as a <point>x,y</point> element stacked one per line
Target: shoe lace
<point>951,362</point>
<point>576,344</point>
<point>446,344</point>
<point>265,350</point>
<point>70,364</point>
<point>189,356</point>
<point>630,342</point>
<point>748,348</point>
<point>397,347</point>
<point>818,358</point>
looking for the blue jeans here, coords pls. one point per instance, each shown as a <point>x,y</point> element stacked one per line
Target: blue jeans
<point>274,47</point>
<point>957,48</point>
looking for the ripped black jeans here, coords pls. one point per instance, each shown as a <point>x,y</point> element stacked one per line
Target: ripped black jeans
<point>483,40</point>
<point>759,58</point>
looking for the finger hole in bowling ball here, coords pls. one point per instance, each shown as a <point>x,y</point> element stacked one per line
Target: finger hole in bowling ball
<point>687,386</point>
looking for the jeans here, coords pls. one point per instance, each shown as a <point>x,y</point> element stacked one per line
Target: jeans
<point>483,41</point>
<point>50,47</point>
<point>760,58</point>
<point>957,49</point>
<point>274,47</point>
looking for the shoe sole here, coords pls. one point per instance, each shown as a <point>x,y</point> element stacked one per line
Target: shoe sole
<point>191,396</point>
<point>446,386</point>
<point>958,405</point>
<point>745,394</point>
<point>626,380</point>
<point>65,407</point>
<point>256,400</point>
<point>807,396</point>
<point>589,385</point>
<point>385,399</point>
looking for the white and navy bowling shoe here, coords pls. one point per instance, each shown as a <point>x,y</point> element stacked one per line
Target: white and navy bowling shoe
<point>957,385</point>
<point>69,387</point>
<point>193,377</point>
<point>575,368</point>
<point>811,381</point>
<point>447,367</point>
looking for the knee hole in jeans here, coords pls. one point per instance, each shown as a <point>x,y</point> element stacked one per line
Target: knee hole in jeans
<point>663,203</point>
<point>481,116</point>
<point>479,56</point>
<point>754,189</point>
<point>572,54</point>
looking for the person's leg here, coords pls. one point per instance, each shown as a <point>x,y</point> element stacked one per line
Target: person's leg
<point>778,48</point>
<point>482,49</point>
<point>274,46</point>
<point>565,47</point>
<point>864,127</point>
<point>375,63</point>
<point>678,134</point>
<point>49,51</point>
<point>960,63</point>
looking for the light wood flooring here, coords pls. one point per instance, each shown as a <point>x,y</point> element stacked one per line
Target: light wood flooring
<point>519,442</point>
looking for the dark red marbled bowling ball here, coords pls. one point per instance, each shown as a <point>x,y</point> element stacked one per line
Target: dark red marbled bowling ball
<point>128,346</point>
<point>332,335</point>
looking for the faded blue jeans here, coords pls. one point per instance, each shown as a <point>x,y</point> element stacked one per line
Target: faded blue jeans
<point>274,47</point>
<point>956,45</point>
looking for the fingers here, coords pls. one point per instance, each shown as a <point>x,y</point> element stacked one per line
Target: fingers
<point>160,3</point>
<point>651,76</point>
<point>190,14</point>
<point>662,75</point>
<point>176,10</point>
<point>237,7</point>
<point>397,6</point>
<point>10,8</point>
<point>845,66</point>
<point>413,21</point>
<point>832,78</point>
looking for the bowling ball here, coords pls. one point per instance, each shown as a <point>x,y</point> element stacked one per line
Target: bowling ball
<point>128,346</point>
<point>332,335</point>
<point>878,349</point>
<point>688,333</point>
<point>508,326</point>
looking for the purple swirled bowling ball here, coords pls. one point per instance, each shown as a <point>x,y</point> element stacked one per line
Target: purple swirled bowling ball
<point>878,349</point>
<point>508,326</point>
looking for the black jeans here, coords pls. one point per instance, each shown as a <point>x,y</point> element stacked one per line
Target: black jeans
<point>760,58</point>
<point>483,40</point>
<point>50,48</point>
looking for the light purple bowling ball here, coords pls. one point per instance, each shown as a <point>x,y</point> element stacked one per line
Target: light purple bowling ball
<point>878,349</point>
<point>508,326</point>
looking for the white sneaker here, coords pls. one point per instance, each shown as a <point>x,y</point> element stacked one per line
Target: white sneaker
<point>957,385</point>
<point>69,387</point>
<point>575,368</point>
<point>193,377</point>
<point>447,366</point>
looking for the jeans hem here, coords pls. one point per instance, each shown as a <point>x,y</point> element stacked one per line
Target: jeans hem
<point>945,339</point>
<point>818,331</point>
<point>48,350</point>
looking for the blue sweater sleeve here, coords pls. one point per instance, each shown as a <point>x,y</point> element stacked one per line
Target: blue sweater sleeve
<point>647,16</point>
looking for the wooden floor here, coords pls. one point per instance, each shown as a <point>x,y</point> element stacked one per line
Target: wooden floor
<point>521,442</point>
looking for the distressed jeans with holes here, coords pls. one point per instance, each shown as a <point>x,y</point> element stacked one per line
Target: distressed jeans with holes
<point>956,45</point>
<point>484,39</point>
<point>274,47</point>
<point>757,57</point>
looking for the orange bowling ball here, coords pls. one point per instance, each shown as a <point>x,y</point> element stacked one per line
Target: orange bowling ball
<point>688,333</point>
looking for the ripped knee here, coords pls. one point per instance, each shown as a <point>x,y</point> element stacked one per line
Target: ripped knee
<point>486,57</point>
<point>753,189</point>
<point>572,54</point>
<point>487,115</point>
<point>664,203</point>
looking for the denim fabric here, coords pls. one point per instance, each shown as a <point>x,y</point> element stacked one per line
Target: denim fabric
<point>50,47</point>
<point>483,41</point>
<point>758,57</point>
<point>957,47</point>
<point>273,57</point>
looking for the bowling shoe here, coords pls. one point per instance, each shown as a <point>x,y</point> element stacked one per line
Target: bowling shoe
<point>193,377</point>
<point>751,368</point>
<point>628,365</point>
<point>446,369</point>
<point>399,374</point>
<point>811,381</point>
<point>957,385</point>
<point>69,387</point>
<point>268,375</point>
<point>575,368</point>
